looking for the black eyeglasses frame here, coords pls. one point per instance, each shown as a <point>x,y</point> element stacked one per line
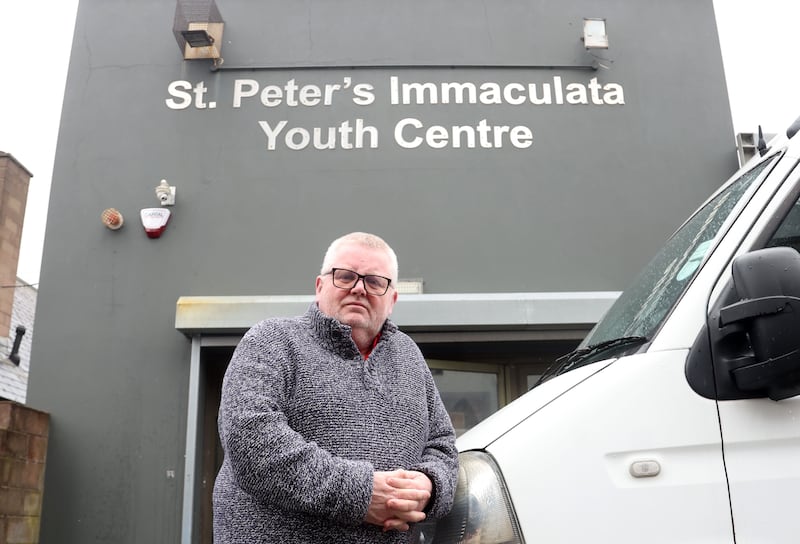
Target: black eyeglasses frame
<point>359,277</point>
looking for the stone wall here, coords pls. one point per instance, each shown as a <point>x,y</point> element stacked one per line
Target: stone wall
<point>23,451</point>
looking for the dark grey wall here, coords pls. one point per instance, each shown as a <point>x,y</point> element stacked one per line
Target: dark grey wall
<point>581,209</point>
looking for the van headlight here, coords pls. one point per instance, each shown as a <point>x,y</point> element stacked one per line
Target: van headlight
<point>482,511</point>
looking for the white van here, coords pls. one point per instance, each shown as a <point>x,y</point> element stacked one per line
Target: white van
<point>678,418</point>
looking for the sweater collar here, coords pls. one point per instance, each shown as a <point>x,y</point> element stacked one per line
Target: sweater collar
<point>335,335</point>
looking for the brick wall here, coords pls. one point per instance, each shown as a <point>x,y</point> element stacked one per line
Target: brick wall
<point>23,451</point>
<point>14,179</point>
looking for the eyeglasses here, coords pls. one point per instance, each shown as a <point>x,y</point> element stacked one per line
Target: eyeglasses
<point>347,279</point>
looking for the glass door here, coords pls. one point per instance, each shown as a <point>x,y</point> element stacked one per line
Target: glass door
<point>471,392</point>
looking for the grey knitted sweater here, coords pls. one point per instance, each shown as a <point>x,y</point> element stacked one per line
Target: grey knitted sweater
<point>304,421</point>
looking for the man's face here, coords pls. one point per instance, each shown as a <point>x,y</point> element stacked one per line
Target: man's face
<point>355,307</point>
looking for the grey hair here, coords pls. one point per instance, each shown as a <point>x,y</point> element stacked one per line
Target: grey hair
<point>364,239</point>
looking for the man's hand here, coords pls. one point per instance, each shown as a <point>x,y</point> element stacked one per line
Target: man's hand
<point>398,498</point>
<point>406,511</point>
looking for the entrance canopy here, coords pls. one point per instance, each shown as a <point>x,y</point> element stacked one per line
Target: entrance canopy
<point>232,315</point>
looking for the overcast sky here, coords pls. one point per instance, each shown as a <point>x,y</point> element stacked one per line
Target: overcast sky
<point>759,47</point>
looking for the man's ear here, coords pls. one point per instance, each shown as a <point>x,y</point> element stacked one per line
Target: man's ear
<point>318,285</point>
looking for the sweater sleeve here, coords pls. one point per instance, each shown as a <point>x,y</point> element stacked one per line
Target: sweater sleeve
<point>439,459</point>
<point>268,459</point>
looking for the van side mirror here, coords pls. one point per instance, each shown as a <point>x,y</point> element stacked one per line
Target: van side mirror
<point>768,283</point>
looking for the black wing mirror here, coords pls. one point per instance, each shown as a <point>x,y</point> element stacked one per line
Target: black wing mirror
<point>768,283</point>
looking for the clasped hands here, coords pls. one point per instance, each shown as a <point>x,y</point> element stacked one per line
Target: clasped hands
<point>398,498</point>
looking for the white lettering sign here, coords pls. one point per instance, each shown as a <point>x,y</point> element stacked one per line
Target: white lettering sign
<point>343,136</point>
<point>409,132</point>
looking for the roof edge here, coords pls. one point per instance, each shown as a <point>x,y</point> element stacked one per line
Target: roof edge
<point>15,161</point>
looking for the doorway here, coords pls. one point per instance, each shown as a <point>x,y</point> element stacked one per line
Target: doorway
<point>475,379</point>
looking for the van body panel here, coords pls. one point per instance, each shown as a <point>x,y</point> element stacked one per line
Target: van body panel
<point>762,454</point>
<point>572,459</point>
<point>761,437</point>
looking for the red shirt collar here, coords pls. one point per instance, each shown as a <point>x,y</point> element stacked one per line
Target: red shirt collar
<point>369,351</point>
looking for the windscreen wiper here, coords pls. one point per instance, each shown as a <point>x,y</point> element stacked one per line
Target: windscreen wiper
<point>583,356</point>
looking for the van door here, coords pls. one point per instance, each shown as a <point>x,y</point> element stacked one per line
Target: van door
<point>761,437</point>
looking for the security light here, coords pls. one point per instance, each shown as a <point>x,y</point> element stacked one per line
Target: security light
<point>198,29</point>
<point>594,34</point>
<point>197,38</point>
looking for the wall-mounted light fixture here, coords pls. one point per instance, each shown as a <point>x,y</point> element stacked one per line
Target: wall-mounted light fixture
<point>594,34</point>
<point>198,29</point>
<point>410,286</point>
<point>112,218</point>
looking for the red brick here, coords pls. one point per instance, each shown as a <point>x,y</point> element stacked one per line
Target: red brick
<point>5,414</point>
<point>25,475</point>
<point>7,466</point>
<point>22,530</point>
<point>14,204</point>
<point>34,421</point>
<point>12,502</point>
<point>32,503</point>
<point>13,444</point>
<point>28,476</point>
<point>37,449</point>
<point>19,417</point>
<point>12,472</point>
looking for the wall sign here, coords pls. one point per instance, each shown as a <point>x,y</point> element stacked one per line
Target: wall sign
<point>407,132</point>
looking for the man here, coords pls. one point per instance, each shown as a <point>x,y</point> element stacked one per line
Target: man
<point>332,427</point>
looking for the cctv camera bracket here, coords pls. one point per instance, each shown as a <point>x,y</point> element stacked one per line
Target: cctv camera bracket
<point>166,193</point>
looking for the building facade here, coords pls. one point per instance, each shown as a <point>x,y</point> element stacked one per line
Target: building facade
<point>522,179</point>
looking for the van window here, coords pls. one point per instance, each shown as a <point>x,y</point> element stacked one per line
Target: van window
<point>640,310</point>
<point>788,233</point>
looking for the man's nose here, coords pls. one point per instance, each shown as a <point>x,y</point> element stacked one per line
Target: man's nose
<point>360,286</point>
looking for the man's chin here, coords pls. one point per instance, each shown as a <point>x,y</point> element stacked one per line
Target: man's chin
<point>354,320</point>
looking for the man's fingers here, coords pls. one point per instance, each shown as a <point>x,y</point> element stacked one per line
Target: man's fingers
<point>406,474</point>
<point>410,494</point>
<point>407,483</point>
<point>395,524</point>
<point>404,513</point>
<point>402,505</point>
<point>399,498</point>
<point>402,483</point>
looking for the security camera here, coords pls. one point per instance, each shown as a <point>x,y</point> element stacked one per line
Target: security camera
<point>166,193</point>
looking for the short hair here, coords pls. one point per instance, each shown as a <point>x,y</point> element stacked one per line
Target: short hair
<point>364,239</point>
